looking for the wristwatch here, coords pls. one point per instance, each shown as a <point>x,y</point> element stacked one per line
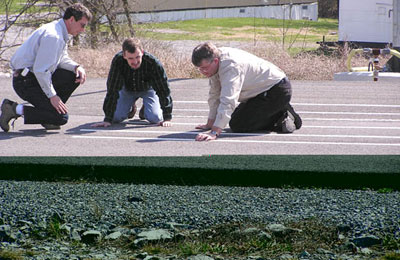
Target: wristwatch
<point>214,133</point>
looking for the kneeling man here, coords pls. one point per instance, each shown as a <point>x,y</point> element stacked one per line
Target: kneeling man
<point>249,93</point>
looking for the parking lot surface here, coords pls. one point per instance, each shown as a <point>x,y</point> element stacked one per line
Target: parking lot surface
<point>357,118</point>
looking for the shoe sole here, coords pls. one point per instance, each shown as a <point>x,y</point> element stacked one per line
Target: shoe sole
<point>296,118</point>
<point>6,108</point>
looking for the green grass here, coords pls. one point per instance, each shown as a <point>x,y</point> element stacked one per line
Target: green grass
<point>242,29</point>
<point>15,6</point>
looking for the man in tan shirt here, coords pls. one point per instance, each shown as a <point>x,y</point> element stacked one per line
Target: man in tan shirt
<point>249,93</point>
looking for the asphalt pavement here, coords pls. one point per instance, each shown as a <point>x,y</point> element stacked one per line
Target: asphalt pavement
<point>339,118</point>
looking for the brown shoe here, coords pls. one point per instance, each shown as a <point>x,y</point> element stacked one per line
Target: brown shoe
<point>132,113</point>
<point>8,112</point>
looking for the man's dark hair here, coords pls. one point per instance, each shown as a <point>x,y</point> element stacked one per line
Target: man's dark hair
<point>207,51</point>
<point>131,44</point>
<point>77,11</point>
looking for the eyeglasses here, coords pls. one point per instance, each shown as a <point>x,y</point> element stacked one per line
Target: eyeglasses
<point>205,67</point>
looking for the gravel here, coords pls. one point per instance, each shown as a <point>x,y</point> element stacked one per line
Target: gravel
<point>103,207</point>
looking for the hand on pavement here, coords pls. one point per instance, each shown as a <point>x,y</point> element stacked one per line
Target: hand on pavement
<point>165,123</point>
<point>203,127</point>
<point>205,137</point>
<point>102,124</point>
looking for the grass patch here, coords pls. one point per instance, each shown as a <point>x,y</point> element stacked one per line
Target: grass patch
<point>15,7</point>
<point>10,255</point>
<point>234,239</point>
<point>241,29</point>
<point>391,256</point>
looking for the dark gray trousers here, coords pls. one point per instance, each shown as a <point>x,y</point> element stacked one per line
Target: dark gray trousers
<point>42,111</point>
<point>262,112</point>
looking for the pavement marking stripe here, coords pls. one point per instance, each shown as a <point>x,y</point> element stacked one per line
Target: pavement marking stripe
<point>239,134</point>
<point>305,104</point>
<point>320,119</point>
<point>233,141</point>
<point>306,112</point>
<point>304,126</point>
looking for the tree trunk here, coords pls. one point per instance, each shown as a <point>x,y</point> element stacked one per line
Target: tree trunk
<point>128,17</point>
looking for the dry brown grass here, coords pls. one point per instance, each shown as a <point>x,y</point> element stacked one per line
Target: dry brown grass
<point>97,62</point>
<point>304,66</point>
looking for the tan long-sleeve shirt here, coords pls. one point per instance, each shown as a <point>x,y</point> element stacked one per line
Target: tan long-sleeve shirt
<point>241,76</point>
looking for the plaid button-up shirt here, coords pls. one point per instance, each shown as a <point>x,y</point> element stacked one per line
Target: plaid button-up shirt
<point>150,74</point>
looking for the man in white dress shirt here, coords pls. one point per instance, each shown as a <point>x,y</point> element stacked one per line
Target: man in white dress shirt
<point>249,93</point>
<point>44,74</point>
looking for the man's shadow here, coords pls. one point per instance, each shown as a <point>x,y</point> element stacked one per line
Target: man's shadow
<point>26,132</point>
<point>88,128</point>
<point>191,135</point>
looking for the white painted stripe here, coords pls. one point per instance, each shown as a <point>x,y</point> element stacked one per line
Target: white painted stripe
<point>350,127</point>
<point>233,141</point>
<point>347,113</point>
<point>304,126</point>
<point>240,134</point>
<point>352,119</point>
<point>307,112</point>
<point>345,105</point>
<point>306,104</point>
<point>320,119</point>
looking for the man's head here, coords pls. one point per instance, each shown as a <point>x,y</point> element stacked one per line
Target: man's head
<point>132,50</point>
<point>76,17</point>
<point>206,57</point>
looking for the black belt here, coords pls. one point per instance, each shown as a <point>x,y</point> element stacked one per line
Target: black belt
<point>18,72</point>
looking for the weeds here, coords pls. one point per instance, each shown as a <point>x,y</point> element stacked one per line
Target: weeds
<point>10,255</point>
<point>390,242</point>
<point>391,256</point>
<point>54,228</point>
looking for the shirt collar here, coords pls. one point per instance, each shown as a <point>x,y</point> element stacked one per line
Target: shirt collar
<point>64,29</point>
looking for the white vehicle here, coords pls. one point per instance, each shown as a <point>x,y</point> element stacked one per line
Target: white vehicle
<point>369,23</point>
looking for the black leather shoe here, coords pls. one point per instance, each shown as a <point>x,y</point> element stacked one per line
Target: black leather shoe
<point>297,119</point>
<point>8,112</point>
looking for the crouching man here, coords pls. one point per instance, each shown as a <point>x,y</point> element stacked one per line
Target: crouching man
<point>135,74</point>
<point>249,93</point>
<point>44,74</point>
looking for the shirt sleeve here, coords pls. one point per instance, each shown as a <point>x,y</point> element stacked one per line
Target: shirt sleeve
<point>66,62</point>
<point>115,82</point>
<point>213,96</point>
<point>161,86</point>
<point>47,58</point>
<point>231,80</point>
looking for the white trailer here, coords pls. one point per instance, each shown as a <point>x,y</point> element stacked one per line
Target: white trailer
<point>369,23</point>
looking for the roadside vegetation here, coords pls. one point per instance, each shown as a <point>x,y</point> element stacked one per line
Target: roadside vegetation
<point>293,47</point>
<point>290,44</point>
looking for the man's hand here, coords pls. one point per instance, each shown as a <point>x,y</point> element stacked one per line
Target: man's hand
<point>165,123</point>
<point>212,135</point>
<point>204,127</point>
<point>208,126</point>
<point>57,103</point>
<point>206,137</point>
<point>80,75</point>
<point>102,124</point>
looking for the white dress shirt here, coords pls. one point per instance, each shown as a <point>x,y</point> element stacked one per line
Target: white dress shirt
<point>43,52</point>
<point>241,76</point>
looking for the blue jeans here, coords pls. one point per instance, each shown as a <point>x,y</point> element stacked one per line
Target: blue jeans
<point>151,103</point>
